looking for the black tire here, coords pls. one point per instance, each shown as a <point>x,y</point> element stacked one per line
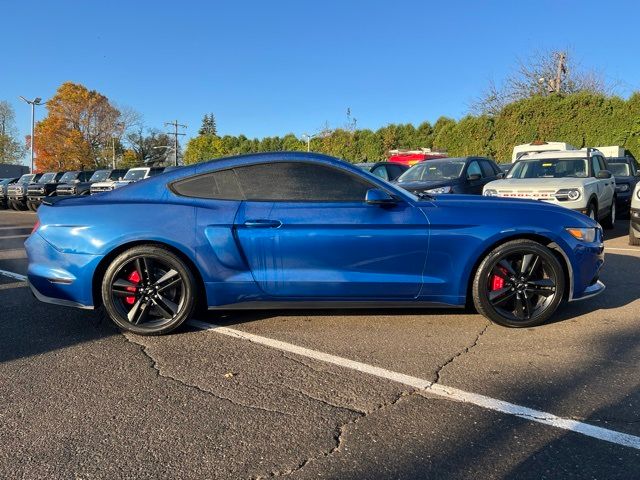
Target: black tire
<point>633,240</point>
<point>530,284</point>
<point>592,211</point>
<point>160,301</point>
<point>32,207</point>
<point>609,222</point>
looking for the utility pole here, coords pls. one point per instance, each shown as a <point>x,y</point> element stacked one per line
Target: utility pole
<point>562,57</point>
<point>175,134</point>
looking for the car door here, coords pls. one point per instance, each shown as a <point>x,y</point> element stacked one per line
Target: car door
<point>489,172</point>
<point>606,187</point>
<point>306,232</point>
<point>473,178</point>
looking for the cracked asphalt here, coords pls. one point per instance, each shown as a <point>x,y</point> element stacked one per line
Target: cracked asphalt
<point>78,399</point>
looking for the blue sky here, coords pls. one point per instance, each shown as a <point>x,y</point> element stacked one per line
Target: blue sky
<point>269,68</point>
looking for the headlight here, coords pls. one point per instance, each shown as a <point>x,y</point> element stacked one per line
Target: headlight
<point>446,189</point>
<point>568,194</point>
<point>583,234</point>
<point>638,193</point>
<point>489,192</point>
<point>623,187</point>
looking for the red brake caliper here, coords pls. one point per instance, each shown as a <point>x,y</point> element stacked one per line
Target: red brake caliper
<point>497,282</point>
<point>133,278</point>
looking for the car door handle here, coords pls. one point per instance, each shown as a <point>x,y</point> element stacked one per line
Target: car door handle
<point>260,223</point>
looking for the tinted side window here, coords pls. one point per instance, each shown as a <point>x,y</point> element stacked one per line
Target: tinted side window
<point>298,181</point>
<point>473,169</point>
<point>596,165</point>
<point>603,164</point>
<point>221,185</point>
<point>487,169</point>
<point>381,172</point>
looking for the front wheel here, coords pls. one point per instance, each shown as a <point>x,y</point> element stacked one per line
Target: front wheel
<point>519,284</point>
<point>148,290</point>
<point>610,221</point>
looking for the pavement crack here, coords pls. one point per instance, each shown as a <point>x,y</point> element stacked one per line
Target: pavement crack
<point>462,352</point>
<point>339,435</point>
<point>325,402</point>
<point>156,367</point>
<point>303,363</point>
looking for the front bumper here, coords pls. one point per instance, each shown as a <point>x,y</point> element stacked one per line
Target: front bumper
<point>34,200</point>
<point>623,201</point>
<point>634,215</point>
<point>59,277</point>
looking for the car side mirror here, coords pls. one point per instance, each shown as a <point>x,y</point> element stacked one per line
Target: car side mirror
<point>604,174</point>
<point>501,175</point>
<point>375,196</point>
<point>637,173</point>
<point>473,177</point>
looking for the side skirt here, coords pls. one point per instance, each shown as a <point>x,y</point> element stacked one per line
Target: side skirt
<point>330,304</point>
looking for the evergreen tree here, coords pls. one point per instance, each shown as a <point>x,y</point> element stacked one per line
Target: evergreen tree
<point>208,125</point>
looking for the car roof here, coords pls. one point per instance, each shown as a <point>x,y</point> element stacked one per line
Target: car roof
<point>582,153</point>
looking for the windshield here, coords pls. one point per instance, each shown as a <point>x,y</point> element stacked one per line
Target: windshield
<point>135,175</point>
<point>365,166</point>
<point>69,177</point>
<point>100,176</point>
<point>550,168</point>
<point>47,178</point>
<point>433,170</point>
<point>26,178</point>
<point>620,169</point>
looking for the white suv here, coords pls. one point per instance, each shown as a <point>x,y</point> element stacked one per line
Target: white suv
<point>575,179</point>
<point>634,225</point>
<point>132,175</point>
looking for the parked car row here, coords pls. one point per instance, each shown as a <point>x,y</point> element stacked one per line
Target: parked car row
<point>29,190</point>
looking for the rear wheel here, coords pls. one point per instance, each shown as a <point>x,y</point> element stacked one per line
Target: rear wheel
<point>148,290</point>
<point>610,220</point>
<point>592,212</point>
<point>519,284</point>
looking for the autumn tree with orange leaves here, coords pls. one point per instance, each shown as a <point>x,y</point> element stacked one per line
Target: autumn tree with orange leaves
<point>78,131</point>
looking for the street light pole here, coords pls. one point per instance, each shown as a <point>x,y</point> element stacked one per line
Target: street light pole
<point>33,103</point>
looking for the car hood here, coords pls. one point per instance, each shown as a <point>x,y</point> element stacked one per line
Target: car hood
<point>538,183</point>
<point>75,184</point>
<point>478,206</point>
<point>426,185</point>
<point>103,184</point>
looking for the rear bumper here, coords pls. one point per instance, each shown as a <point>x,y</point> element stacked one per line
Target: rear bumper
<point>58,277</point>
<point>56,301</point>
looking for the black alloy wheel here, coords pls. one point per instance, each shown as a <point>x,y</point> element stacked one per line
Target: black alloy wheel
<point>148,290</point>
<point>519,284</point>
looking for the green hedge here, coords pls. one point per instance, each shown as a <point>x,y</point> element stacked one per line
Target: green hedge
<point>581,119</point>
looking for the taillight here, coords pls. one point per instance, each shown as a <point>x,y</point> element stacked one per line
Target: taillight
<point>36,226</point>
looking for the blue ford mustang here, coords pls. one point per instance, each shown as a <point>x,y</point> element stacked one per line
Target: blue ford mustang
<point>292,230</point>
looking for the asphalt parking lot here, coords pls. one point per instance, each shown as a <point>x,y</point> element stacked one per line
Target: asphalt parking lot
<point>321,394</point>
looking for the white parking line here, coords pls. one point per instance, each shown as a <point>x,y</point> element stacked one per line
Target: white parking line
<point>8,237</point>
<point>451,393</point>
<point>637,250</point>
<point>16,276</point>
<point>437,389</point>
<point>15,227</point>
